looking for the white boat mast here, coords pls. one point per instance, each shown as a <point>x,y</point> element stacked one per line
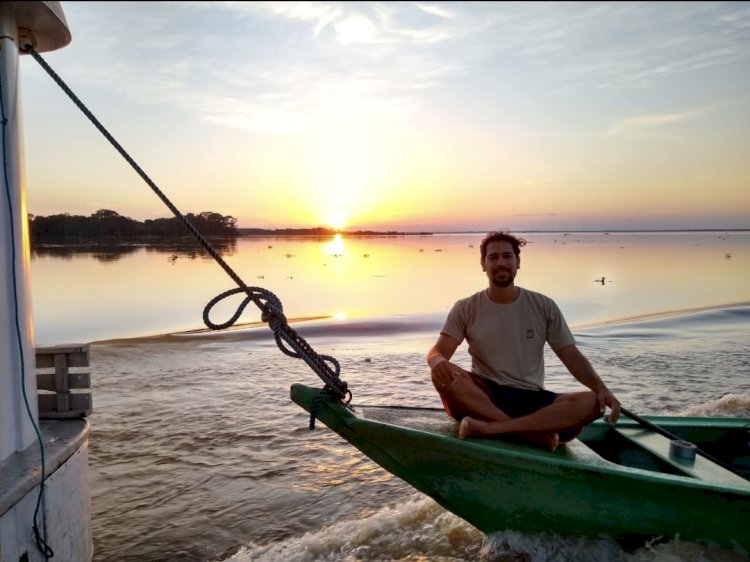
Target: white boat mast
<point>44,25</point>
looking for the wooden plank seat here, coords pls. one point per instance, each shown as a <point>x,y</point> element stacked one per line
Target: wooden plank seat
<point>701,467</point>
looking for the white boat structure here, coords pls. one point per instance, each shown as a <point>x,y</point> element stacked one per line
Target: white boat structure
<point>45,501</point>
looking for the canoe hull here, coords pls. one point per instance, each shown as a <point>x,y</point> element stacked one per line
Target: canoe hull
<point>498,485</point>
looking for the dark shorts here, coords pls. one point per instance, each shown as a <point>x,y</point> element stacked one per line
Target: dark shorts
<point>515,402</point>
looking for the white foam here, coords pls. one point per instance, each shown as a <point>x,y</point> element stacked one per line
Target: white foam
<point>420,530</point>
<point>729,405</point>
<point>393,533</point>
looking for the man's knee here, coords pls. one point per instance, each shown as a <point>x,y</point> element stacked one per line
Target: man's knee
<point>590,406</point>
<point>586,403</point>
<point>456,395</point>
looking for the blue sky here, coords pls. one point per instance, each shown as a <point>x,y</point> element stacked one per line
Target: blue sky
<point>413,115</point>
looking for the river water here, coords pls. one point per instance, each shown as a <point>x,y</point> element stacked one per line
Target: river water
<point>197,453</point>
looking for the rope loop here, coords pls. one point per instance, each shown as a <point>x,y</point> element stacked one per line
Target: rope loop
<point>265,300</point>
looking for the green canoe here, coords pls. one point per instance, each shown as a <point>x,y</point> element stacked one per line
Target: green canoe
<point>619,481</point>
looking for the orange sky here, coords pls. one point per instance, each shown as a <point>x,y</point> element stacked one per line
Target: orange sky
<point>437,116</point>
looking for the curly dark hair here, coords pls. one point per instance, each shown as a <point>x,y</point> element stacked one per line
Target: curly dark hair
<point>501,236</point>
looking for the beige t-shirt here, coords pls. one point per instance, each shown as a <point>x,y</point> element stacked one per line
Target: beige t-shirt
<point>506,341</point>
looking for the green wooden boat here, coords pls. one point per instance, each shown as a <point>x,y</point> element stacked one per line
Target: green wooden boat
<point>624,481</point>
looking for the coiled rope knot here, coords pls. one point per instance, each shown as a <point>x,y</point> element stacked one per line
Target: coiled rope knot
<point>274,317</point>
<point>287,339</point>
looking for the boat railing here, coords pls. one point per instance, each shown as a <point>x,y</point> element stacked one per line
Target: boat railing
<point>63,381</point>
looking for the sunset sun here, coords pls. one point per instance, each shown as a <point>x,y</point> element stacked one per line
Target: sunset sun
<point>335,219</point>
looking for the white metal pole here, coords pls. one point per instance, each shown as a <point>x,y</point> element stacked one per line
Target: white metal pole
<point>16,325</point>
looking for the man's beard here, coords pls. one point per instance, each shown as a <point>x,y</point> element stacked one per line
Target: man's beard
<point>503,283</point>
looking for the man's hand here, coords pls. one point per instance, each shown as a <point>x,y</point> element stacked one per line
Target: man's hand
<point>606,398</point>
<point>438,358</point>
<point>442,373</point>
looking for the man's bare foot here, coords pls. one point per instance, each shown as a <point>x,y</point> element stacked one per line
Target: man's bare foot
<point>547,439</point>
<point>471,427</point>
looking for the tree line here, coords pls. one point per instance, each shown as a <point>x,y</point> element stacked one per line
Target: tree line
<point>109,224</point>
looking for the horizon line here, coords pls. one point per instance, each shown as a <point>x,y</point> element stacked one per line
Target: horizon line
<point>479,230</point>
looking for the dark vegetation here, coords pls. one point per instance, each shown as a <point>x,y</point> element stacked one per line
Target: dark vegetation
<point>110,225</point>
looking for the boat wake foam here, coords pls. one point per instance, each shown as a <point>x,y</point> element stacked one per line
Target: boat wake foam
<point>729,405</point>
<point>418,525</point>
<point>419,529</point>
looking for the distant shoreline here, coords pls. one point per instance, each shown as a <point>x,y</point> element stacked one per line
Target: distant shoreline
<point>109,227</point>
<point>150,239</point>
<point>247,232</point>
<point>320,231</point>
<point>599,231</point>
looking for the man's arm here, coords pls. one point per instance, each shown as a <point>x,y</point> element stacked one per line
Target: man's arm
<point>581,369</point>
<point>438,358</point>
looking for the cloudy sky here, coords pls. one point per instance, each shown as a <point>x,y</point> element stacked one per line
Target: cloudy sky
<point>409,115</point>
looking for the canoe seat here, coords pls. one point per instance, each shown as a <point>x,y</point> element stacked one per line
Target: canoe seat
<point>701,468</point>
<point>577,450</point>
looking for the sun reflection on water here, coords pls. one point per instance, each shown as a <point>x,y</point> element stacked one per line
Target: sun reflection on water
<point>335,247</point>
